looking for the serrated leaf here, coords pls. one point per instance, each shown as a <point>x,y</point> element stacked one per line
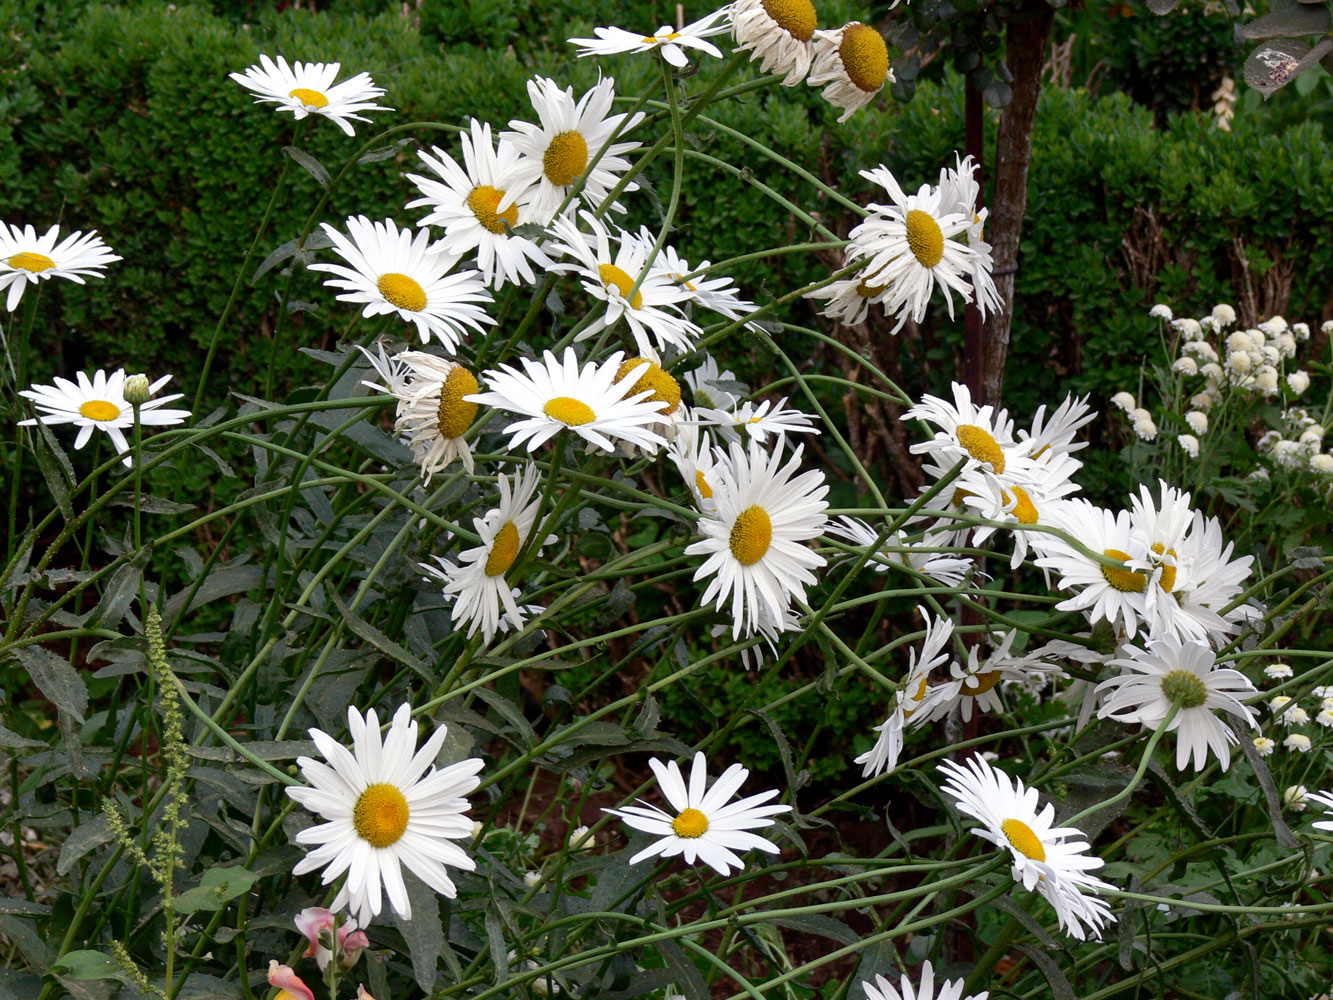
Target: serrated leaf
<point>119,594</point>
<point>83,839</point>
<point>154,505</point>
<point>216,888</point>
<point>1292,21</point>
<point>1267,785</point>
<point>1306,557</point>
<point>13,741</point>
<point>688,979</point>
<point>21,907</point>
<point>311,165</point>
<point>56,469</point>
<point>55,678</point>
<point>379,640</point>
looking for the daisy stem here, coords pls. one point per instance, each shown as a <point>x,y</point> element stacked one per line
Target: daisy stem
<point>1144,761</point>
<point>138,494</point>
<point>677,178</point>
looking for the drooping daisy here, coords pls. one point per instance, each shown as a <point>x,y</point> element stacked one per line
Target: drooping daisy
<point>850,299</point>
<point>26,258</point>
<point>554,395</point>
<point>694,457</point>
<point>976,683</point>
<point>754,535</point>
<point>557,153</point>
<point>652,312</point>
<point>477,584</point>
<point>1214,581</point>
<point>854,62</point>
<point>432,414</point>
<point>1160,526</point>
<point>99,403</point>
<point>480,205</point>
<point>1170,672</point>
<point>1051,860</point>
<point>308,89</point>
<point>883,989</point>
<point>394,273</point>
<point>718,294</point>
<point>703,826</point>
<point>385,806</point>
<point>778,33</point>
<point>1054,435</point>
<point>668,40</point>
<point>758,421</point>
<point>1000,499</point>
<point>959,192</point>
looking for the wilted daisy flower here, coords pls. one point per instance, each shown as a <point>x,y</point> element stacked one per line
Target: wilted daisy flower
<point>1051,860</point>
<point>1295,798</point>
<point>557,152</point>
<point>694,457</point>
<point>480,205</point>
<point>308,89</point>
<point>850,299</point>
<point>703,826</point>
<point>776,32</point>
<point>669,41</point>
<point>477,585</point>
<point>1324,799</point>
<point>99,404</point>
<point>652,311</point>
<point>854,63</point>
<point>718,294</point>
<point>1168,673</point>
<point>976,684</point>
<point>755,533</point>
<point>394,273</point>
<point>385,806</point>
<point>554,395</point>
<point>1263,746</point>
<point>758,421</point>
<point>883,989</point>
<point>432,414</point>
<point>1298,742</point>
<point>26,258</point>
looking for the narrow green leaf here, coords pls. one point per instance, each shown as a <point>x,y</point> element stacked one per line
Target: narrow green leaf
<point>311,165</point>
<point>380,641</point>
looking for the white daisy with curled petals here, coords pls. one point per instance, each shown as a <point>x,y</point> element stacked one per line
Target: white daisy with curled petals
<point>99,403</point>
<point>1213,582</point>
<point>763,513</point>
<point>26,258</point>
<point>596,402</point>
<point>854,63</point>
<point>394,273</point>
<point>959,192</point>
<point>479,205</point>
<point>384,805</point>
<point>778,33</point>
<point>671,42</point>
<point>949,989</point>
<point>1171,672</point>
<point>718,294</point>
<point>308,89</point>
<point>703,382</point>
<point>695,458</point>
<point>701,824</point>
<point>975,685</point>
<point>432,415</point>
<point>1052,860</point>
<point>850,299</point>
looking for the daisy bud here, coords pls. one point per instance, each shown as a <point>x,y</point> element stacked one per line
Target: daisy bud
<point>1298,742</point>
<point>1185,365</point>
<point>530,879</point>
<point>1198,421</point>
<point>1322,463</point>
<point>137,390</point>
<point>1298,382</point>
<point>1294,798</point>
<point>581,839</point>
<point>1189,443</point>
<point>1125,401</point>
<point>1145,429</point>
<point>1264,746</point>
<point>1160,311</point>
<point>1223,313</point>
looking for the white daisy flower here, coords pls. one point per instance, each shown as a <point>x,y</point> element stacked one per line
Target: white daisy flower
<point>432,415</point>
<point>1170,671</point>
<point>666,39</point>
<point>755,533</point>
<point>1160,311</point>
<point>1051,860</point>
<point>479,205</point>
<point>694,457</point>
<point>976,685</point>
<point>553,395</point>
<point>1279,670</point>
<point>1213,582</point>
<point>850,299</point>
<point>718,294</point>
<point>26,258</point>
<point>1324,799</point>
<point>854,63</point>
<point>1263,746</point>
<point>385,806</point>
<point>883,989</point>
<point>778,33</point>
<point>980,434</point>
<point>394,273</point>
<point>960,191</point>
<point>997,499</point>
<point>1298,742</point>
<point>308,89</point>
<point>758,421</point>
<point>652,311</point>
<point>1296,797</point>
<point>557,153</point>
<point>704,826</point>
<point>923,556</point>
<point>704,388</point>
<point>477,584</point>
<point>98,403</point>
<point>1054,435</point>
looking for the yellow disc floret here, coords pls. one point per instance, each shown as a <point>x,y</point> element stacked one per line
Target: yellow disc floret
<point>751,535</point>
<point>795,17</point>
<point>614,277</point>
<point>925,238</point>
<point>483,200</point>
<point>1127,581</point>
<point>865,57</point>
<point>569,411</point>
<point>982,682</point>
<point>670,36</point>
<point>565,158</point>
<point>1024,509</point>
<point>29,261</point>
<point>402,291</point>
<point>690,823</point>
<point>1167,581</point>
<point>455,414</point>
<point>915,699</point>
<point>655,379</point>
<point>309,98</point>
<point>1023,839</point>
<point>99,409</point>
<point>504,550</point>
<point>701,484</point>
<point>981,446</point>
<point>380,815</point>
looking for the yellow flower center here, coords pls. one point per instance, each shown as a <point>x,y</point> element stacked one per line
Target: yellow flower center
<point>309,98</point>
<point>29,261</point>
<point>504,550</point>
<point>1185,687</point>
<point>455,414</point>
<point>565,158</point>
<point>1024,509</point>
<point>483,201</point>
<point>915,699</point>
<point>868,291</point>
<point>614,277</point>
<point>654,39</point>
<point>705,490</point>
<point>981,446</point>
<point>99,409</point>
<point>981,683</point>
<point>1127,581</point>
<point>751,535</point>
<point>691,823</point>
<point>795,17</point>
<point>402,291</point>
<point>569,411</point>
<point>865,57</point>
<point>663,386</point>
<point>380,815</point>
<point>959,495</point>
<point>925,238</point>
<point>1024,841</point>
<point>1167,580</point>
